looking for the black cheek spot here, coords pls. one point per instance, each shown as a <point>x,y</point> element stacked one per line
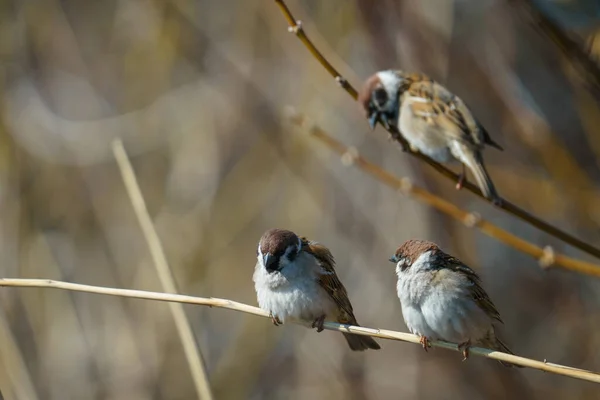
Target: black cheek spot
<point>273,264</point>
<point>380,97</point>
<point>292,256</point>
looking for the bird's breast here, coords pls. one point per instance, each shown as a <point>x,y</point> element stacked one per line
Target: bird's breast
<point>296,297</point>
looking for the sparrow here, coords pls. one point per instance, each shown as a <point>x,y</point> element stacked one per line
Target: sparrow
<point>434,121</point>
<point>295,280</point>
<point>442,299</point>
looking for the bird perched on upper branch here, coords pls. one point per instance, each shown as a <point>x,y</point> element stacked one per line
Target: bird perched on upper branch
<point>434,121</point>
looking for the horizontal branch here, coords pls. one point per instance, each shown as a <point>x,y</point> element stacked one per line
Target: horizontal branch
<point>295,27</point>
<point>546,256</point>
<point>245,308</point>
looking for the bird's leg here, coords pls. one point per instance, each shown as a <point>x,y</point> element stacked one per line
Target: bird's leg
<point>424,342</point>
<point>275,320</point>
<point>397,137</point>
<point>318,323</point>
<point>464,348</point>
<point>462,177</point>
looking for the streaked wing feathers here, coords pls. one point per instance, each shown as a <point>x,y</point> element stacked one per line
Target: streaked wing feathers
<point>330,281</point>
<point>477,293</point>
<point>447,110</point>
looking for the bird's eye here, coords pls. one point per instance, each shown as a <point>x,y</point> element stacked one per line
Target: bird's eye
<point>380,97</point>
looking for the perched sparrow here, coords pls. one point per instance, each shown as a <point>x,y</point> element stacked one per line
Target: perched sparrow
<point>295,280</point>
<point>442,298</point>
<point>432,119</point>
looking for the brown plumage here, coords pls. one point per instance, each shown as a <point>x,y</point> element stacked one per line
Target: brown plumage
<point>330,282</point>
<point>437,292</point>
<point>275,241</point>
<point>433,120</point>
<point>296,279</point>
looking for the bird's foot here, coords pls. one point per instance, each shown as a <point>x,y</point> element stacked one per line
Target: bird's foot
<point>497,201</point>
<point>424,342</point>
<point>464,348</point>
<point>461,181</point>
<point>395,135</point>
<point>405,148</point>
<point>318,323</point>
<point>275,320</point>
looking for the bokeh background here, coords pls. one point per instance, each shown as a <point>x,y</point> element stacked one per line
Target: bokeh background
<point>197,90</point>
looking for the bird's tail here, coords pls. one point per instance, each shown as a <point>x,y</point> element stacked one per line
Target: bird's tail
<point>500,346</point>
<point>475,164</point>
<point>359,342</point>
<point>492,342</point>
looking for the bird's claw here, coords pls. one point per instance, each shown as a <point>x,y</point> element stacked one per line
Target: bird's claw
<point>396,137</point>
<point>318,323</point>
<point>497,201</point>
<point>275,320</point>
<point>424,342</point>
<point>464,348</point>
<point>461,181</point>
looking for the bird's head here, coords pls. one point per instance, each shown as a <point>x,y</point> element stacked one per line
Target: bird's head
<point>277,248</point>
<point>414,255</point>
<point>379,98</point>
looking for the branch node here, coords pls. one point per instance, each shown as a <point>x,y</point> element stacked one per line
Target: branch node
<point>295,26</point>
<point>472,219</point>
<point>406,186</point>
<point>343,82</point>
<point>350,156</point>
<point>292,115</point>
<point>548,257</point>
<point>296,29</point>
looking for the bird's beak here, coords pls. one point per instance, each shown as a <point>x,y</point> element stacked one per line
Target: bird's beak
<point>268,261</point>
<point>373,119</point>
<point>394,259</point>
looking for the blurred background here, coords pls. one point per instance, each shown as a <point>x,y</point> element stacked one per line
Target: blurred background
<point>197,91</point>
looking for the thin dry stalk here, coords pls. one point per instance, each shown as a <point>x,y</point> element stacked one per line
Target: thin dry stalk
<point>546,256</point>
<point>295,27</point>
<point>574,51</point>
<point>333,326</point>
<point>191,349</point>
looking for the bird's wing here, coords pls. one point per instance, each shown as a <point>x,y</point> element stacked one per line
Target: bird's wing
<point>477,293</point>
<point>329,280</point>
<point>436,105</point>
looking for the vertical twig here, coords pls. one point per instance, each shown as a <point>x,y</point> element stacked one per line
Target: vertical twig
<point>191,350</point>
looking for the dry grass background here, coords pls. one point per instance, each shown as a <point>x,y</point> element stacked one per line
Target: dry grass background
<point>196,89</point>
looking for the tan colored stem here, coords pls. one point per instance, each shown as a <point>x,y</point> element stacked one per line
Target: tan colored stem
<point>546,256</point>
<point>186,335</point>
<point>233,305</point>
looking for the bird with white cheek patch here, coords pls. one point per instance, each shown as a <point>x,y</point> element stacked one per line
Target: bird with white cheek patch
<point>442,299</point>
<point>433,120</point>
<point>295,280</point>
